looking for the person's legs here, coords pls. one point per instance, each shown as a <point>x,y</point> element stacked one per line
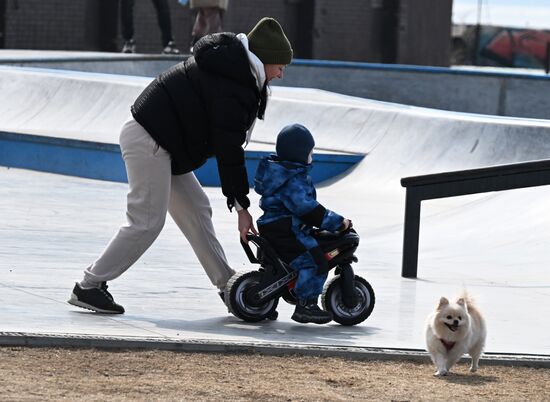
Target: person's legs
<point>190,209</point>
<point>164,22</point>
<point>108,13</point>
<point>295,248</point>
<point>149,174</point>
<point>307,290</point>
<point>208,20</point>
<point>127,19</point>
<point>127,24</point>
<point>213,19</point>
<point>309,284</point>
<point>199,27</point>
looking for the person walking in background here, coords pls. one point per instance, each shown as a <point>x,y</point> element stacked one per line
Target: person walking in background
<point>163,18</point>
<point>204,106</point>
<point>208,19</point>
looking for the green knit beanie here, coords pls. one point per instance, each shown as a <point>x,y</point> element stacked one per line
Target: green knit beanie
<point>268,41</point>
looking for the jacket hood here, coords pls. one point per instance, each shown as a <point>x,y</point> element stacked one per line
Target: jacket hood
<point>224,54</point>
<point>272,173</point>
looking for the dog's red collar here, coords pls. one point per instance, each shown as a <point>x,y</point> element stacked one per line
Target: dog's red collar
<point>448,345</point>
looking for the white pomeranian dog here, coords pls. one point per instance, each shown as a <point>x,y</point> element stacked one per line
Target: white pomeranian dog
<point>453,329</point>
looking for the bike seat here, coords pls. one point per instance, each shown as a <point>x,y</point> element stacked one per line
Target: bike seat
<point>329,240</point>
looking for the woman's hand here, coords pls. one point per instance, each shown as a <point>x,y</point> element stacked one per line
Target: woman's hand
<point>246,224</point>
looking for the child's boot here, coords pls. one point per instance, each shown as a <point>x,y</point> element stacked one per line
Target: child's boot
<point>308,311</point>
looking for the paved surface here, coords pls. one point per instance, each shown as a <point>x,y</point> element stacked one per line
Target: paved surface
<point>495,245</point>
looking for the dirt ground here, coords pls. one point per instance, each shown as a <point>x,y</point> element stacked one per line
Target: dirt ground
<point>44,374</point>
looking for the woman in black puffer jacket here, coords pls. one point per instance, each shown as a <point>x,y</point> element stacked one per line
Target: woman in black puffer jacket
<point>203,107</point>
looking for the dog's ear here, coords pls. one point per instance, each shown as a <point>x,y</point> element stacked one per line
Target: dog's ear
<point>442,302</point>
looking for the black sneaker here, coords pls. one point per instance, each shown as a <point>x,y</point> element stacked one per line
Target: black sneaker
<point>309,311</point>
<point>170,48</point>
<point>129,46</point>
<point>95,299</point>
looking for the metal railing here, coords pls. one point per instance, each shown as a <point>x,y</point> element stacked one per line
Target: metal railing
<point>456,183</point>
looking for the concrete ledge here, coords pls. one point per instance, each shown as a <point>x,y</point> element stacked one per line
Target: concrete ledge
<point>272,349</point>
<point>483,90</point>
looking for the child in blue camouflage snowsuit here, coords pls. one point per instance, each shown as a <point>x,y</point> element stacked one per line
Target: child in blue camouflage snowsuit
<point>291,211</point>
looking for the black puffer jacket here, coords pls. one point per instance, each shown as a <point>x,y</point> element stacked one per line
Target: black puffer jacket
<point>203,107</point>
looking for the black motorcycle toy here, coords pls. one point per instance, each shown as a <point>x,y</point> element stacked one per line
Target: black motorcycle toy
<point>254,295</point>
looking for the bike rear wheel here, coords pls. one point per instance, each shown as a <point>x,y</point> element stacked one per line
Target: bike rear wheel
<point>236,301</point>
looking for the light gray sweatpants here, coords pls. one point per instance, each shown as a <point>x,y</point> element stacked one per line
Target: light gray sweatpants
<point>153,192</point>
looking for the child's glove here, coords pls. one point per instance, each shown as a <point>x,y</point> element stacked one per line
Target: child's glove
<point>346,224</point>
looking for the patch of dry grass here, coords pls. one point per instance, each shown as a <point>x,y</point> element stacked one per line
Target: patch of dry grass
<point>53,374</point>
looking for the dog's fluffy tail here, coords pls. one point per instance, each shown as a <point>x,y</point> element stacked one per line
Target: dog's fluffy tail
<point>469,299</point>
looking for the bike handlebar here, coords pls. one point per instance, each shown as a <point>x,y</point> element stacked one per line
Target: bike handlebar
<point>261,243</point>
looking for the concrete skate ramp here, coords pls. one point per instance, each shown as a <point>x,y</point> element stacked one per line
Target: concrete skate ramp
<point>64,104</point>
<point>400,140</point>
<point>495,245</point>
<point>68,122</point>
<point>485,90</point>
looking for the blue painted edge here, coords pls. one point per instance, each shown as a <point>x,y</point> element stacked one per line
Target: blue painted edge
<point>413,69</point>
<point>94,58</point>
<point>56,141</point>
<point>102,161</point>
<point>295,62</point>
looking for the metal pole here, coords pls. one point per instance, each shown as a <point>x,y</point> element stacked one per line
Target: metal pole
<point>547,61</point>
<point>411,231</point>
<point>477,32</point>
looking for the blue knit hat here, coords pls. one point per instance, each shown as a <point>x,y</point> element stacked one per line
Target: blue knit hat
<point>294,143</point>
